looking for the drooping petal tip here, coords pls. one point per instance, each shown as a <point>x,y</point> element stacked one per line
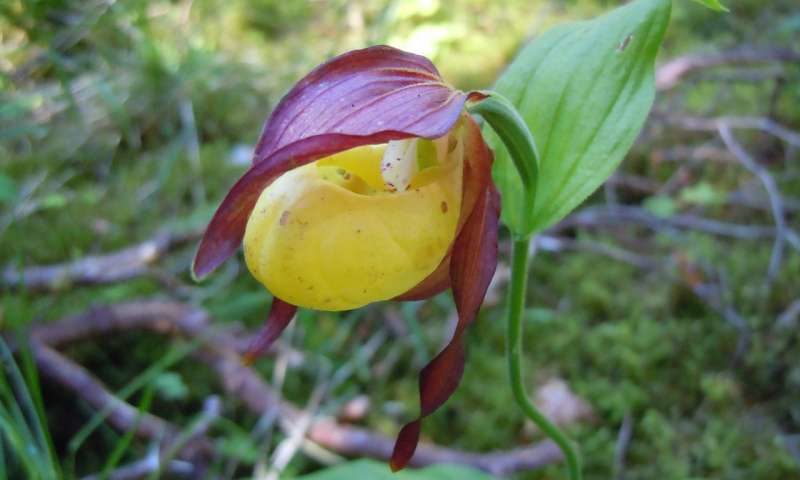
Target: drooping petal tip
<point>280,315</point>
<point>473,261</point>
<point>405,446</point>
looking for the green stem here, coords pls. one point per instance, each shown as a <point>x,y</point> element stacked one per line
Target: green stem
<point>512,130</point>
<point>518,140</point>
<point>516,309</point>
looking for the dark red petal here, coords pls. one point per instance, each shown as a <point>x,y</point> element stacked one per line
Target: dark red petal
<point>333,98</point>
<point>475,255</point>
<point>362,97</point>
<point>406,443</point>
<point>477,167</point>
<point>473,263</point>
<point>280,314</point>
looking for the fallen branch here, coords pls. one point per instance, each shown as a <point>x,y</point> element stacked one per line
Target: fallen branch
<point>680,153</point>
<point>788,319</point>
<point>158,316</point>
<point>746,197</point>
<point>713,124</point>
<point>775,199</point>
<point>245,384</point>
<point>615,215</point>
<point>549,243</point>
<point>121,415</point>
<point>633,182</point>
<point>621,448</point>
<point>147,466</point>
<point>122,265</point>
<point>220,353</point>
<point>164,317</point>
<point>670,74</point>
<point>354,441</point>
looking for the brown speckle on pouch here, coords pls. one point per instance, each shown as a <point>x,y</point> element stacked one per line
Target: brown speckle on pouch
<point>444,207</point>
<point>451,144</point>
<point>284,218</point>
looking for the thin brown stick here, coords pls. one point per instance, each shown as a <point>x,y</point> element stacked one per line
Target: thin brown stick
<point>633,182</point>
<point>670,74</point>
<point>191,446</point>
<point>121,415</point>
<point>121,265</point>
<point>712,124</point>
<point>775,199</point>
<point>615,215</point>
<point>159,316</point>
<point>148,465</point>
<point>704,152</point>
<point>788,319</point>
<point>353,441</point>
<point>549,243</point>
<point>621,448</point>
<point>246,385</point>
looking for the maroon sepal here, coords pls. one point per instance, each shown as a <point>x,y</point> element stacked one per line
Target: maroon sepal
<point>280,315</point>
<point>405,445</point>
<point>359,98</point>
<point>473,263</point>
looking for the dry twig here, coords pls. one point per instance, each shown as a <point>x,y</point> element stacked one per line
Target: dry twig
<point>775,200</point>
<point>121,415</point>
<point>610,216</point>
<point>712,124</point>
<point>245,384</point>
<point>621,448</point>
<point>670,74</point>
<point>146,466</point>
<point>788,319</point>
<point>96,269</point>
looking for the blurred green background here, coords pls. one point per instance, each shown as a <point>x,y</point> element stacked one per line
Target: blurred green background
<point>120,120</point>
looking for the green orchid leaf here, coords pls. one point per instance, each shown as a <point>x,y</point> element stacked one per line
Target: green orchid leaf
<point>713,5</point>
<point>584,89</point>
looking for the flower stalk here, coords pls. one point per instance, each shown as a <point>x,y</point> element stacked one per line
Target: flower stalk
<point>516,310</point>
<point>507,123</point>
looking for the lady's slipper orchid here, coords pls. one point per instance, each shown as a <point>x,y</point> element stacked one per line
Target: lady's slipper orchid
<point>369,182</point>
